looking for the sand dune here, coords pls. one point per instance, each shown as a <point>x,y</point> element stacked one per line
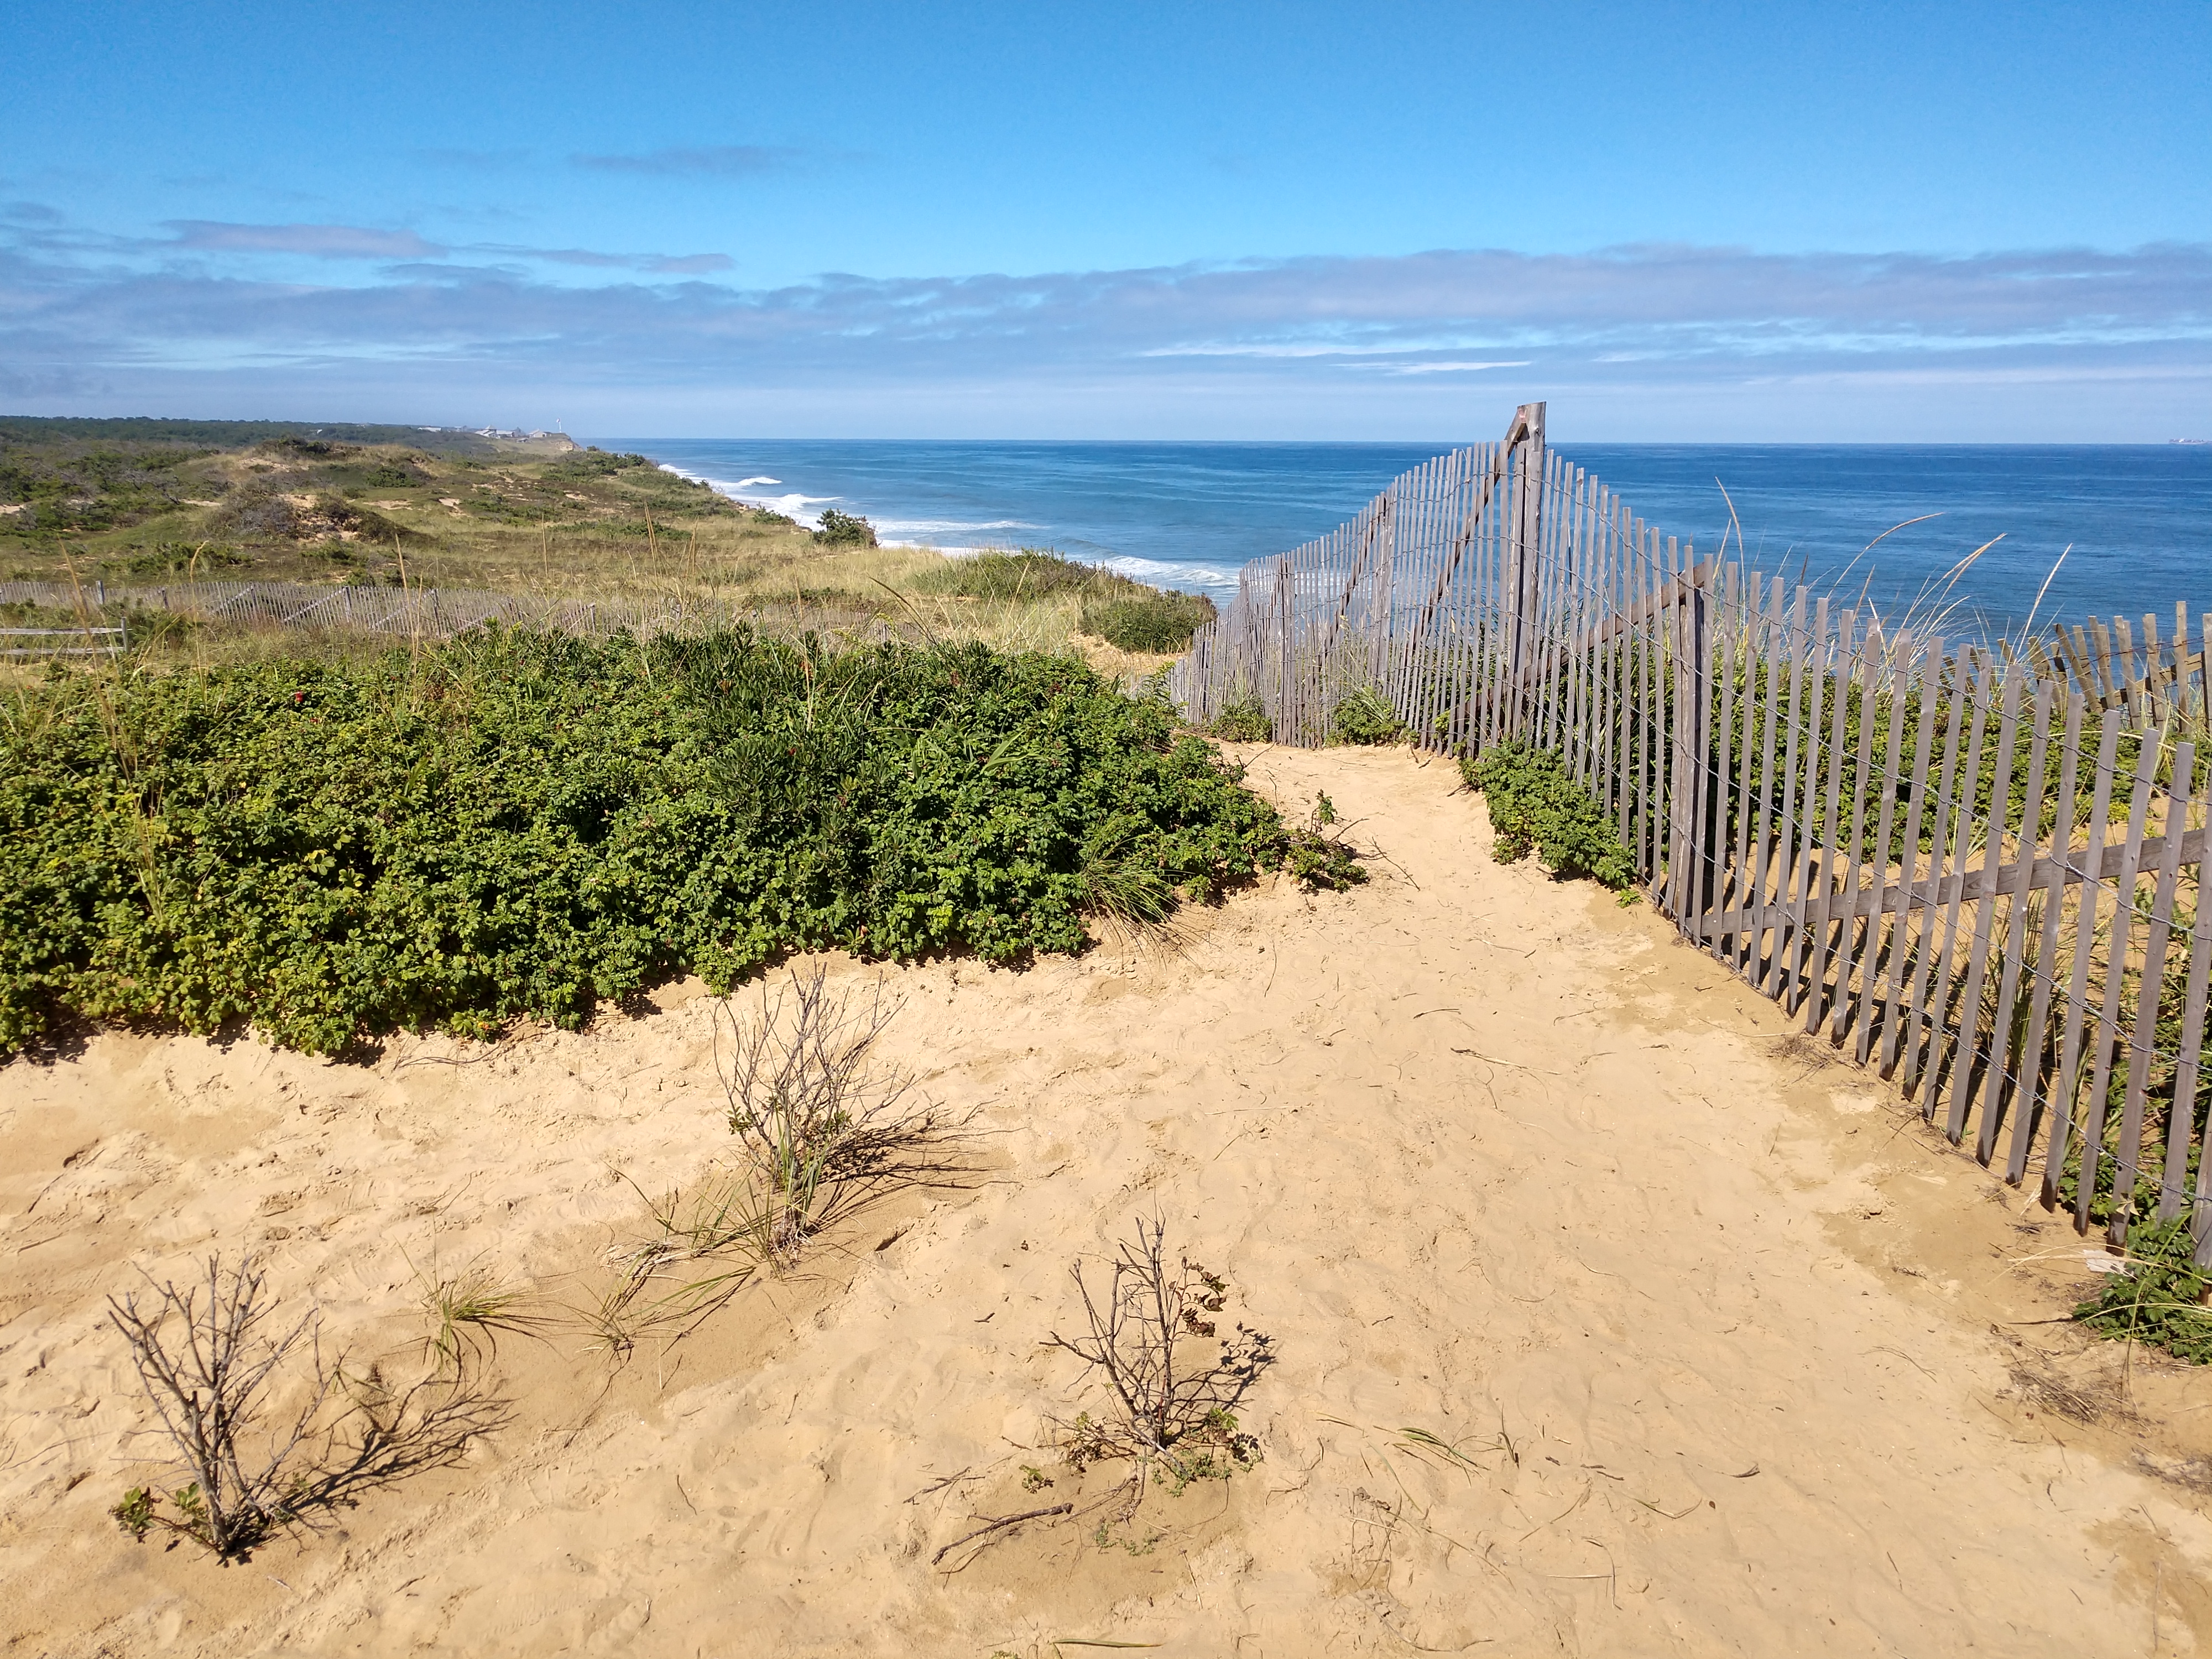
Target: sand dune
<point>1732,1353</point>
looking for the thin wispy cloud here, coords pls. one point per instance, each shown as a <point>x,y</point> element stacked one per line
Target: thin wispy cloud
<point>675,265</point>
<point>687,264</point>
<point>315,241</point>
<point>710,160</point>
<point>1447,368</point>
<point>403,255</point>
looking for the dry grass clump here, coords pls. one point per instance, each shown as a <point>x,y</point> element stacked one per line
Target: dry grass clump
<point>822,1127</point>
<point>467,1312</point>
<point>1173,1384</point>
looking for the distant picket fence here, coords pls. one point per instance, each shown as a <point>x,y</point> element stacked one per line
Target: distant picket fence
<point>1977,866</point>
<point>412,612</point>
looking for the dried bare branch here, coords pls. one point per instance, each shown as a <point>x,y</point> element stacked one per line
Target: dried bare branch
<point>823,1128</point>
<point>204,1367</point>
<point>212,1375</point>
<point>1170,1410</point>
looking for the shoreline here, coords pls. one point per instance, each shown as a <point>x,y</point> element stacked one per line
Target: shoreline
<point>2134,516</point>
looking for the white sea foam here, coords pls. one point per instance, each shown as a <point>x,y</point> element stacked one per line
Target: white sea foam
<point>939,526</point>
<point>1161,574</point>
<point>793,506</point>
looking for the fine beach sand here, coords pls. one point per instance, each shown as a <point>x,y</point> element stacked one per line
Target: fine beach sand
<point>1740,1358</point>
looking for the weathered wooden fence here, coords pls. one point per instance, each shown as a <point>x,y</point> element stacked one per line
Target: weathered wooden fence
<point>1978,868</point>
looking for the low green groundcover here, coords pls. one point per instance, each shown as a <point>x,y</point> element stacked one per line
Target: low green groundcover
<point>1536,804</point>
<point>520,825</point>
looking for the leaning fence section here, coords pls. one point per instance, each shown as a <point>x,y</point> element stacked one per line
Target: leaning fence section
<point>1978,870</point>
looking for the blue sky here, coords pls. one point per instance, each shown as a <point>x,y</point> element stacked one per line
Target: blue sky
<point>1771,222</point>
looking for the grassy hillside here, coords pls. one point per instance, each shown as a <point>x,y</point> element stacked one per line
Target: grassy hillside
<point>147,501</point>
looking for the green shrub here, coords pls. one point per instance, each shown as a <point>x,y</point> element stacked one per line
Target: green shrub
<point>204,558</point>
<point>2159,1300</point>
<point>584,465</point>
<point>1148,621</point>
<point>1320,856</point>
<point>1365,717</point>
<point>843,530</point>
<point>520,825</point>
<point>1031,573</point>
<point>1244,720</point>
<point>1535,805</point>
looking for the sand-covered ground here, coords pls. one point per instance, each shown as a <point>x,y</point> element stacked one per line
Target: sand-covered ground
<point>1735,1357</point>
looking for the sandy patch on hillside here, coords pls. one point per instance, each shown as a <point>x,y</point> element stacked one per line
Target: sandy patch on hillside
<point>1731,1346</point>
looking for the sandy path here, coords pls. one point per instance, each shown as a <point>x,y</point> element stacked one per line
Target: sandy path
<point>1721,1336</point>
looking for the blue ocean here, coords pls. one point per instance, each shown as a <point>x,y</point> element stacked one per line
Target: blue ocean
<point>2111,529</point>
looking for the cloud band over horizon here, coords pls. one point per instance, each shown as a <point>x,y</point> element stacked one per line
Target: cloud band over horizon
<point>2059,343</point>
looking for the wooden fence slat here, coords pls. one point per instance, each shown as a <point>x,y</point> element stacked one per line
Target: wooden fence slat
<point>1964,820</point>
<point>2000,809</point>
<point>1782,859</point>
<point>1969,689</point>
<point>2131,682</point>
<point>1793,881</point>
<point>1895,1020</point>
<point>2014,949</point>
<point>1871,955</point>
<point>2085,932</point>
<point>2181,1125</point>
<point>1724,793</point>
<point>2116,956</point>
<point>1866,674</point>
<point>2034,1075</point>
<point>1813,971</point>
<point>1624,658</point>
<point>1777,637</point>
<point>2143,1035</point>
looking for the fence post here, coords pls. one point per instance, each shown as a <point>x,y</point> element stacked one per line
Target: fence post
<point>1283,732</point>
<point>1689,853</point>
<point>1528,530</point>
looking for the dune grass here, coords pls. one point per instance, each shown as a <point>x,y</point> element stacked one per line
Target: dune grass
<point>173,505</point>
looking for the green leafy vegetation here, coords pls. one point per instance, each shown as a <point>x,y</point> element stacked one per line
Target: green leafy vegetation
<point>1364,716</point>
<point>1244,720</point>
<point>1535,807</point>
<point>2159,1300</point>
<point>1126,614</point>
<point>1320,857</point>
<point>518,825</point>
<point>1152,621</point>
<point>843,530</point>
<point>998,574</point>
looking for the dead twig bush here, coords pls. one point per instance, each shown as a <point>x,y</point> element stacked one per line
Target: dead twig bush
<point>214,1369</point>
<point>1174,1384</point>
<point>823,1125</point>
<point>823,1128</point>
<point>207,1366</point>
